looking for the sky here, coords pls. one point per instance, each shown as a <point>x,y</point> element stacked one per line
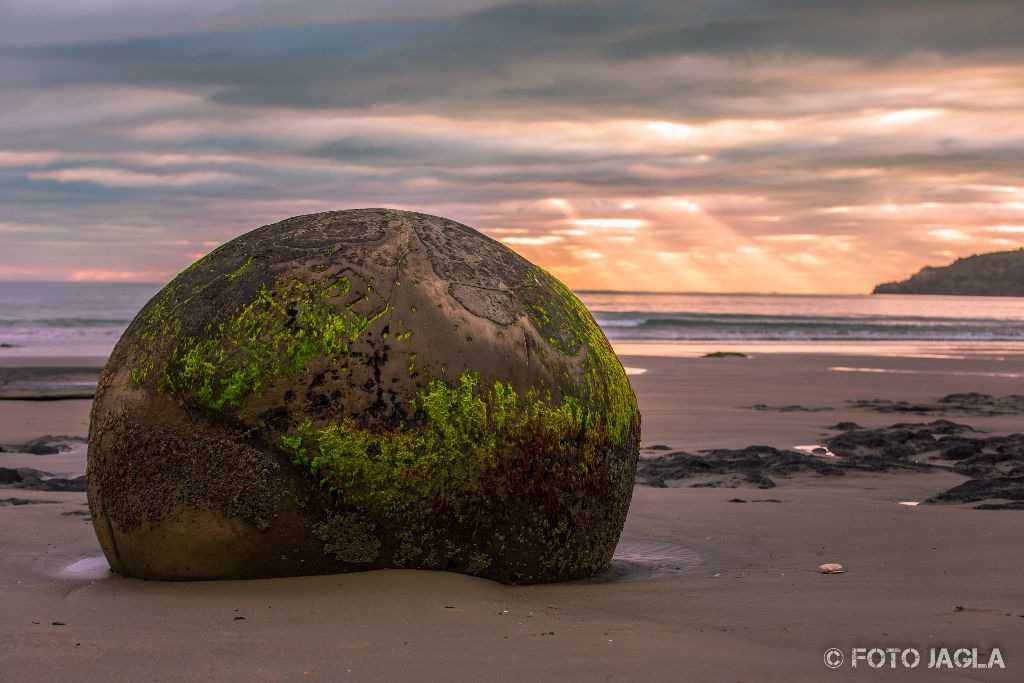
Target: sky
<point>793,146</point>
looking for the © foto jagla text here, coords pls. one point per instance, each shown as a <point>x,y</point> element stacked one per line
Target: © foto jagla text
<point>932,658</point>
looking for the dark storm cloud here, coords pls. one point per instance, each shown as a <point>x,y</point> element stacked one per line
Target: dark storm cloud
<point>874,31</point>
<point>552,57</point>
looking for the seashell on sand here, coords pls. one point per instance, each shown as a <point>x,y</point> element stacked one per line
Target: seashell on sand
<point>831,568</point>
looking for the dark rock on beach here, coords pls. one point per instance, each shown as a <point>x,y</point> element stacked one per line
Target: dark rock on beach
<point>898,442</point>
<point>361,390</point>
<point>995,463</point>
<point>788,409</point>
<point>1016,505</point>
<point>43,445</point>
<point>36,480</point>
<point>25,501</point>
<point>760,480</point>
<point>970,403</point>
<point>1001,488</point>
<point>755,465</point>
<point>41,449</point>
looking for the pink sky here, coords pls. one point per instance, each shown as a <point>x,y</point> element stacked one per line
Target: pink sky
<point>759,147</point>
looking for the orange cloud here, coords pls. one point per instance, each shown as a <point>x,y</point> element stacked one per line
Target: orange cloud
<point>116,276</point>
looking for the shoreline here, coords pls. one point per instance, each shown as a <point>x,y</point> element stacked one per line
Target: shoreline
<point>916,348</point>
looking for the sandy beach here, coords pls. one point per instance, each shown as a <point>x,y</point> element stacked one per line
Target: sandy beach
<point>703,588</point>
<point>511,340</point>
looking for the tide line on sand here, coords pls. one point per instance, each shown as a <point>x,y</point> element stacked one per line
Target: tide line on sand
<point>888,371</point>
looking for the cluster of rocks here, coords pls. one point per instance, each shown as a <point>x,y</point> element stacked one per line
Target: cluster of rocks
<point>25,501</point>
<point>43,445</point>
<point>729,468</point>
<point>996,467</point>
<point>788,409</point>
<point>995,464</point>
<point>968,403</point>
<point>28,479</point>
<point>894,446</point>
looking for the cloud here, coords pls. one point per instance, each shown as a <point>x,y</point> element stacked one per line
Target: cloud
<point>791,144</point>
<point>27,22</point>
<point>115,177</point>
<point>116,276</point>
<point>680,59</point>
<point>26,159</point>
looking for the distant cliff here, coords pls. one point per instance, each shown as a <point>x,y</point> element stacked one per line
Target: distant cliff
<point>998,274</point>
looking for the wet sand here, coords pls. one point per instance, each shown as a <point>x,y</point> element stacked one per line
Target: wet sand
<point>702,588</point>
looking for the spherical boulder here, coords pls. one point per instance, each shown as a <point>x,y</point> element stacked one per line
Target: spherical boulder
<point>358,390</point>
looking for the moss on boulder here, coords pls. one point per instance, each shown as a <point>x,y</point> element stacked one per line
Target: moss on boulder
<point>362,389</point>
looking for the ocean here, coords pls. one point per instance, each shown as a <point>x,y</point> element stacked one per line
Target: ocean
<point>67,318</point>
<point>86,319</point>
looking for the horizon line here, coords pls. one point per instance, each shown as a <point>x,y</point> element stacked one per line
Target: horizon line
<point>578,291</point>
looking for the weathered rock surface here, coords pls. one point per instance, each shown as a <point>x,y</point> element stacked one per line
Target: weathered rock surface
<point>968,403</point>
<point>994,463</point>
<point>357,390</point>
<point>975,490</point>
<point>753,465</point>
<point>26,501</point>
<point>788,409</point>
<point>43,445</point>
<point>36,480</point>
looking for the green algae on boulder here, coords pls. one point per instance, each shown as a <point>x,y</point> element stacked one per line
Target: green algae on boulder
<point>358,390</point>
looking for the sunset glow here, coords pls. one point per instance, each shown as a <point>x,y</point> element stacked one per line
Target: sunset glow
<point>701,148</point>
